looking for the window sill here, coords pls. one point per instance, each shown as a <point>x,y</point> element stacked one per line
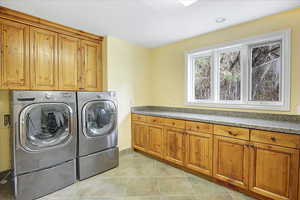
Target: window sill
<point>240,106</point>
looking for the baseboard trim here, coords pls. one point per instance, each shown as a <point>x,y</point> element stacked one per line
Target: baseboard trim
<point>125,151</point>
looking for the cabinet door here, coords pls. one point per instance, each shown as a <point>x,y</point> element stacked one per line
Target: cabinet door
<point>199,149</point>
<point>91,79</point>
<point>274,171</point>
<point>155,141</point>
<point>14,44</point>
<point>140,136</point>
<point>231,161</point>
<point>174,147</point>
<point>43,59</point>
<point>68,62</point>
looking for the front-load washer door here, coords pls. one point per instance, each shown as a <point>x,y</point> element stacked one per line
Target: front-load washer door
<point>45,126</point>
<point>98,130</point>
<point>99,118</point>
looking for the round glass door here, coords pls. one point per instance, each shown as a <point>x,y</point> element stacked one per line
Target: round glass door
<point>45,125</point>
<point>99,118</point>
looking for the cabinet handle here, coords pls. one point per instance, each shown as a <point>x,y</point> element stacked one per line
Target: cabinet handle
<point>273,139</point>
<point>233,134</point>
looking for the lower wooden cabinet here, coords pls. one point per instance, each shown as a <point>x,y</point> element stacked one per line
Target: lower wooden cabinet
<point>148,138</point>
<point>174,145</point>
<point>155,145</point>
<point>274,171</point>
<point>140,136</point>
<point>199,150</point>
<point>231,161</point>
<point>255,163</point>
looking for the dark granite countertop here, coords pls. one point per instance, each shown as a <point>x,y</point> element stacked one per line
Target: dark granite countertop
<point>269,122</point>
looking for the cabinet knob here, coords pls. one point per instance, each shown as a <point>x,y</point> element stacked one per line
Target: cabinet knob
<point>273,139</point>
<point>231,133</point>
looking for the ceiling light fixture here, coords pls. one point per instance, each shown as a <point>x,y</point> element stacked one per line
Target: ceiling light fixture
<point>220,20</point>
<point>187,2</point>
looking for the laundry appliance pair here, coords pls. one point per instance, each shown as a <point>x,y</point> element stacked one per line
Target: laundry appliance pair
<point>59,137</point>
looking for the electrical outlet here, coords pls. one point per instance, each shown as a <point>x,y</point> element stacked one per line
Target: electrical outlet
<point>5,120</point>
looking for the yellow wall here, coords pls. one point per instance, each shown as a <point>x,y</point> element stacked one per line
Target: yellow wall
<point>5,149</point>
<point>168,61</point>
<point>142,76</point>
<point>126,68</point>
<point>128,71</point>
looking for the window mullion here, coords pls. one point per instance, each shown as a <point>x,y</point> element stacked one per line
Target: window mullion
<point>245,75</point>
<point>216,72</point>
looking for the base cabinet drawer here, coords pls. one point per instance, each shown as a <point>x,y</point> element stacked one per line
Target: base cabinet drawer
<point>274,171</point>
<point>174,123</point>
<point>231,161</point>
<point>233,132</point>
<point>274,138</point>
<point>199,150</point>
<point>140,118</point>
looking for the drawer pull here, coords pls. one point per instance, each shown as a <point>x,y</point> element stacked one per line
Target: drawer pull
<point>197,127</point>
<point>173,123</point>
<point>233,134</point>
<point>273,139</point>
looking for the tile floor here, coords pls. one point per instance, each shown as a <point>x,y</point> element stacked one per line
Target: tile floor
<point>141,178</point>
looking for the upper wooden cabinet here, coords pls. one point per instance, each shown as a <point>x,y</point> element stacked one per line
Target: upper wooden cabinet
<point>69,62</point>
<point>14,58</point>
<point>91,71</point>
<point>274,171</point>
<point>41,55</point>
<point>43,59</point>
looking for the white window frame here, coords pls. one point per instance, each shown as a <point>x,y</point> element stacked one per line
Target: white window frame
<point>245,103</point>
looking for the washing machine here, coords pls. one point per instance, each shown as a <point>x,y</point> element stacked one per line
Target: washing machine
<point>97,133</point>
<point>44,136</point>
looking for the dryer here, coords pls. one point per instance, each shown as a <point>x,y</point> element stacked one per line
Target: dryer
<point>44,142</point>
<point>97,133</point>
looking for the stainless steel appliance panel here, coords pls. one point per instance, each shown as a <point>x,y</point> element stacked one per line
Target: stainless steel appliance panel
<point>33,157</point>
<point>40,183</point>
<point>89,143</point>
<point>96,163</point>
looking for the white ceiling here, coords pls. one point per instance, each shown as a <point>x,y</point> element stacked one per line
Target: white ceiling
<point>150,23</point>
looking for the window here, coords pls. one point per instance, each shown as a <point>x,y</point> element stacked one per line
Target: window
<point>202,77</point>
<point>250,73</point>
